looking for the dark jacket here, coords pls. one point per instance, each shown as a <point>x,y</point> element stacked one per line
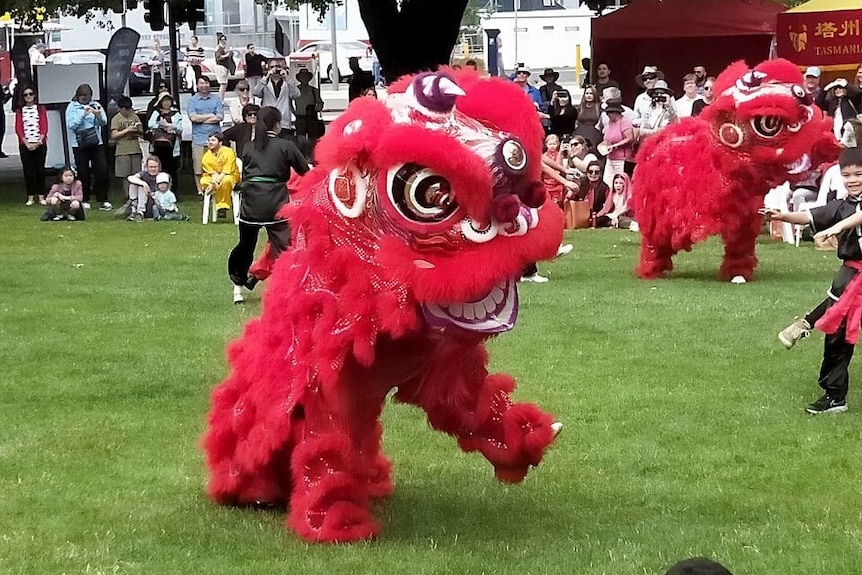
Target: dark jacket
<point>265,175</point>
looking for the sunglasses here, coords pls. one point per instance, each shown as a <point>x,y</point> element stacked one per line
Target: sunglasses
<point>251,115</point>
<point>29,93</point>
<point>242,89</point>
<point>593,172</point>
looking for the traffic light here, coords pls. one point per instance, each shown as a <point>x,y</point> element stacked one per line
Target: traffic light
<point>154,14</point>
<point>189,11</point>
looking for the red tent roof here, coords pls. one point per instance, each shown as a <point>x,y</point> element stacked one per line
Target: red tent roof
<point>688,18</point>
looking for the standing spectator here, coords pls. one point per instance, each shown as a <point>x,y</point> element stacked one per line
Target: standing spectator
<point>603,78</point>
<point>166,130</point>
<point>700,78</point>
<point>267,164</point>
<point>549,77</point>
<point>224,65</point>
<point>243,99</point>
<point>360,80</point>
<point>205,112</point>
<point>586,66</point>
<point>5,96</point>
<point>65,199</point>
<point>36,52</point>
<point>554,179</point>
<point>126,128</point>
<point>614,95</point>
<point>646,80</point>
<point>522,79</point>
<point>243,133</point>
<point>707,98</point>
<point>618,140</point>
<point>254,65</point>
<point>157,67</point>
<point>375,66</point>
<point>472,65</point>
<point>661,112</point>
<point>851,134</point>
<point>31,127</point>
<point>859,76</point>
<point>194,58</point>
<point>839,103</point>
<point>563,115</point>
<point>151,105</point>
<point>85,120</point>
<point>588,116</point>
<point>144,182</point>
<point>685,104</point>
<point>221,172</point>
<point>812,86</point>
<point>278,90</point>
<point>308,105</point>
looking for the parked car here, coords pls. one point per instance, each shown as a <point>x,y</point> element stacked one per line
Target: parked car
<point>208,66</point>
<point>141,72</point>
<point>345,50</point>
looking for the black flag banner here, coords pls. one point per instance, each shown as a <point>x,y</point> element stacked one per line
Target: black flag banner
<point>121,52</point>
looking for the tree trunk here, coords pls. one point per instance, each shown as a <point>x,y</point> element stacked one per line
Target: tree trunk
<point>419,37</point>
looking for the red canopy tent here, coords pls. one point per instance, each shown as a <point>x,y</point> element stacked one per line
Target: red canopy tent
<point>677,35</point>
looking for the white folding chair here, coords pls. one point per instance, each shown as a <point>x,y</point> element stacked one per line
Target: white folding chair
<point>210,211</point>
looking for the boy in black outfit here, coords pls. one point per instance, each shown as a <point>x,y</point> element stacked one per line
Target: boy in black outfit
<point>838,316</point>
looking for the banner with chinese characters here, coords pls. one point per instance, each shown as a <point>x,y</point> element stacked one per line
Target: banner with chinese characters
<point>820,38</point>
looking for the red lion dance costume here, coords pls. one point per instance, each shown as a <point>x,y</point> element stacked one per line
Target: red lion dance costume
<point>708,175</point>
<point>407,237</point>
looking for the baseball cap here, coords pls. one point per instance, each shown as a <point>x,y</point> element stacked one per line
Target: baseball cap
<point>163,178</point>
<point>813,71</point>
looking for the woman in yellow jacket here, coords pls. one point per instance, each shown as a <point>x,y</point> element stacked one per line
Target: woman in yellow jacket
<point>221,173</point>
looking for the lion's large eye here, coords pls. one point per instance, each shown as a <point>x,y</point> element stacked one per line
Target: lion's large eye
<point>767,126</point>
<point>421,195</point>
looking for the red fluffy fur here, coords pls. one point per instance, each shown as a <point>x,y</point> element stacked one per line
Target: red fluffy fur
<point>296,421</point>
<point>689,185</point>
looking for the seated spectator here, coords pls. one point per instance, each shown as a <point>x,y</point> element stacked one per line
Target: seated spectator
<point>685,104</point>
<point>804,191</point>
<point>164,201</point>
<point>243,133</point>
<point>577,155</point>
<point>221,173</point>
<point>142,188</point>
<point>471,65</point>
<point>698,566</point>
<point>620,214</point>
<point>594,191</point>
<point>66,197</point>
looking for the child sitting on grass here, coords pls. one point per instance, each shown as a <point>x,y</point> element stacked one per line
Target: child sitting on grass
<point>65,198</point>
<point>164,200</point>
<point>840,314</point>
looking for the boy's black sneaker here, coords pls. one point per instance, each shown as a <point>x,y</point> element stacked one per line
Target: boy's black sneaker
<point>827,405</point>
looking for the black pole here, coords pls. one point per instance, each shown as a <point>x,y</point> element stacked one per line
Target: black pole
<point>173,33</point>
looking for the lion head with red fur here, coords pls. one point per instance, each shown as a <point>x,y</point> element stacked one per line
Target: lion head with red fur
<point>766,114</point>
<point>438,186</point>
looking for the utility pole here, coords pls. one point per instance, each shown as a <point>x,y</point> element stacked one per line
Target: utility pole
<point>173,34</point>
<point>336,74</point>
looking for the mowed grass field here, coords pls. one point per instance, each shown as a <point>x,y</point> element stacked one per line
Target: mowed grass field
<point>684,425</point>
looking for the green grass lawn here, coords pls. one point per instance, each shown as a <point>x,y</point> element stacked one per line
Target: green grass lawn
<point>685,431</point>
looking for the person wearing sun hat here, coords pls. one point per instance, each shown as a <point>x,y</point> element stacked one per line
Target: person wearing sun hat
<point>661,111</point>
<point>646,80</point>
<point>521,77</point>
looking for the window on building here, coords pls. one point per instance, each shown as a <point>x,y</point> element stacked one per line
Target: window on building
<point>230,15</point>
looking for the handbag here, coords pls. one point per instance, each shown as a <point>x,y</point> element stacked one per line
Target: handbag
<point>577,214</point>
<point>87,138</point>
<point>161,138</point>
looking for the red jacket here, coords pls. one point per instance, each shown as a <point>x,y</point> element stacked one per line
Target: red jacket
<point>43,125</point>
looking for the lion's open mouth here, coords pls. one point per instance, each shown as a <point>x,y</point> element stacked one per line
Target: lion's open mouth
<point>494,313</point>
<point>803,164</point>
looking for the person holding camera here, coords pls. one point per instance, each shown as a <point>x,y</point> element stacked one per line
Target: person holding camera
<point>563,115</point>
<point>278,90</point>
<point>126,128</point>
<point>661,111</point>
